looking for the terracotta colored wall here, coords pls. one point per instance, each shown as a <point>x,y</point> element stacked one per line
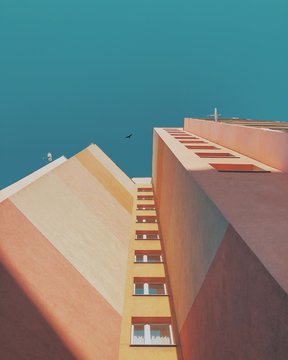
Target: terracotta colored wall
<point>267,146</point>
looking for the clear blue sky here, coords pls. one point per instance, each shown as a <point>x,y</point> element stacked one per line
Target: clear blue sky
<point>74,72</point>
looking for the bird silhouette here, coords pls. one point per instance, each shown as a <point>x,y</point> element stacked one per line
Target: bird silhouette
<point>128,136</point>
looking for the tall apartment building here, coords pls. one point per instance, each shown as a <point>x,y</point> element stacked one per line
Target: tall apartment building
<point>191,264</point>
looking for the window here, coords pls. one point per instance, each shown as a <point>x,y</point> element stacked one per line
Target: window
<point>145,197</point>
<point>145,189</point>
<point>144,256</point>
<point>178,134</point>
<point>147,235</point>
<point>172,129</point>
<point>238,168</point>
<point>149,289</point>
<point>152,334</point>
<point>215,155</point>
<point>188,141</point>
<point>146,219</point>
<point>199,147</point>
<point>149,286</point>
<point>183,137</point>
<point>145,207</point>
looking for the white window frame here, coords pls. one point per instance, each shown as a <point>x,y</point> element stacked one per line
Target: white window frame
<point>147,335</point>
<point>146,289</point>
<point>145,259</point>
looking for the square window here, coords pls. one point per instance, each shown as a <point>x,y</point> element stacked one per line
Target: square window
<point>160,334</point>
<point>139,289</point>
<point>156,289</point>
<point>154,258</point>
<point>139,258</point>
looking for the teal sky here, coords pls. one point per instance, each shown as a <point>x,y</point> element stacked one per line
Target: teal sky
<point>75,72</point>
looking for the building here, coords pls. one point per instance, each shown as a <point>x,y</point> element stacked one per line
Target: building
<point>190,265</point>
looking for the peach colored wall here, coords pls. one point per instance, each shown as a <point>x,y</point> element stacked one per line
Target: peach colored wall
<point>267,146</point>
<point>17,186</point>
<point>191,225</point>
<point>67,318</point>
<point>79,234</point>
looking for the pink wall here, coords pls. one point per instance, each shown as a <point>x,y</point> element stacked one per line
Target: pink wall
<point>267,146</point>
<point>226,288</point>
<point>240,311</point>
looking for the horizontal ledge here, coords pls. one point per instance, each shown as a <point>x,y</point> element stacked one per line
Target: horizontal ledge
<point>147,239</point>
<point>151,262</point>
<point>148,295</point>
<point>156,345</point>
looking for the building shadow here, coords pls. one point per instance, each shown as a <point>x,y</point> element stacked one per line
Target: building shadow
<point>24,332</point>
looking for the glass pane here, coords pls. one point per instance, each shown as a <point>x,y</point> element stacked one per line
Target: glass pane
<point>153,258</point>
<point>139,289</point>
<point>152,236</point>
<point>139,258</point>
<point>156,289</point>
<point>138,334</point>
<point>160,334</point>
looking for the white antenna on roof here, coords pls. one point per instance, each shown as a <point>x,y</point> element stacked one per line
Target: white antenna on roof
<point>215,115</point>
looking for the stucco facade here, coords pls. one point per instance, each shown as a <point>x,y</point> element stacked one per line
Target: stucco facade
<point>190,264</point>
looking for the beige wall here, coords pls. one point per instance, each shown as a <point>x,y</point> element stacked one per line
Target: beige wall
<point>17,186</point>
<point>87,221</point>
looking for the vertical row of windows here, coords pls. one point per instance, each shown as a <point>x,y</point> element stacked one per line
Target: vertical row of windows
<point>149,331</point>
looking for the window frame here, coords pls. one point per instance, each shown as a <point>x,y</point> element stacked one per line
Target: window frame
<point>145,259</point>
<point>146,288</point>
<point>147,236</point>
<point>147,334</point>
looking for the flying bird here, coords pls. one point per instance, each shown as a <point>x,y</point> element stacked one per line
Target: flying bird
<point>128,136</point>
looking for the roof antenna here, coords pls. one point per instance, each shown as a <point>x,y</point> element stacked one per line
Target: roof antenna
<point>215,115</point>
